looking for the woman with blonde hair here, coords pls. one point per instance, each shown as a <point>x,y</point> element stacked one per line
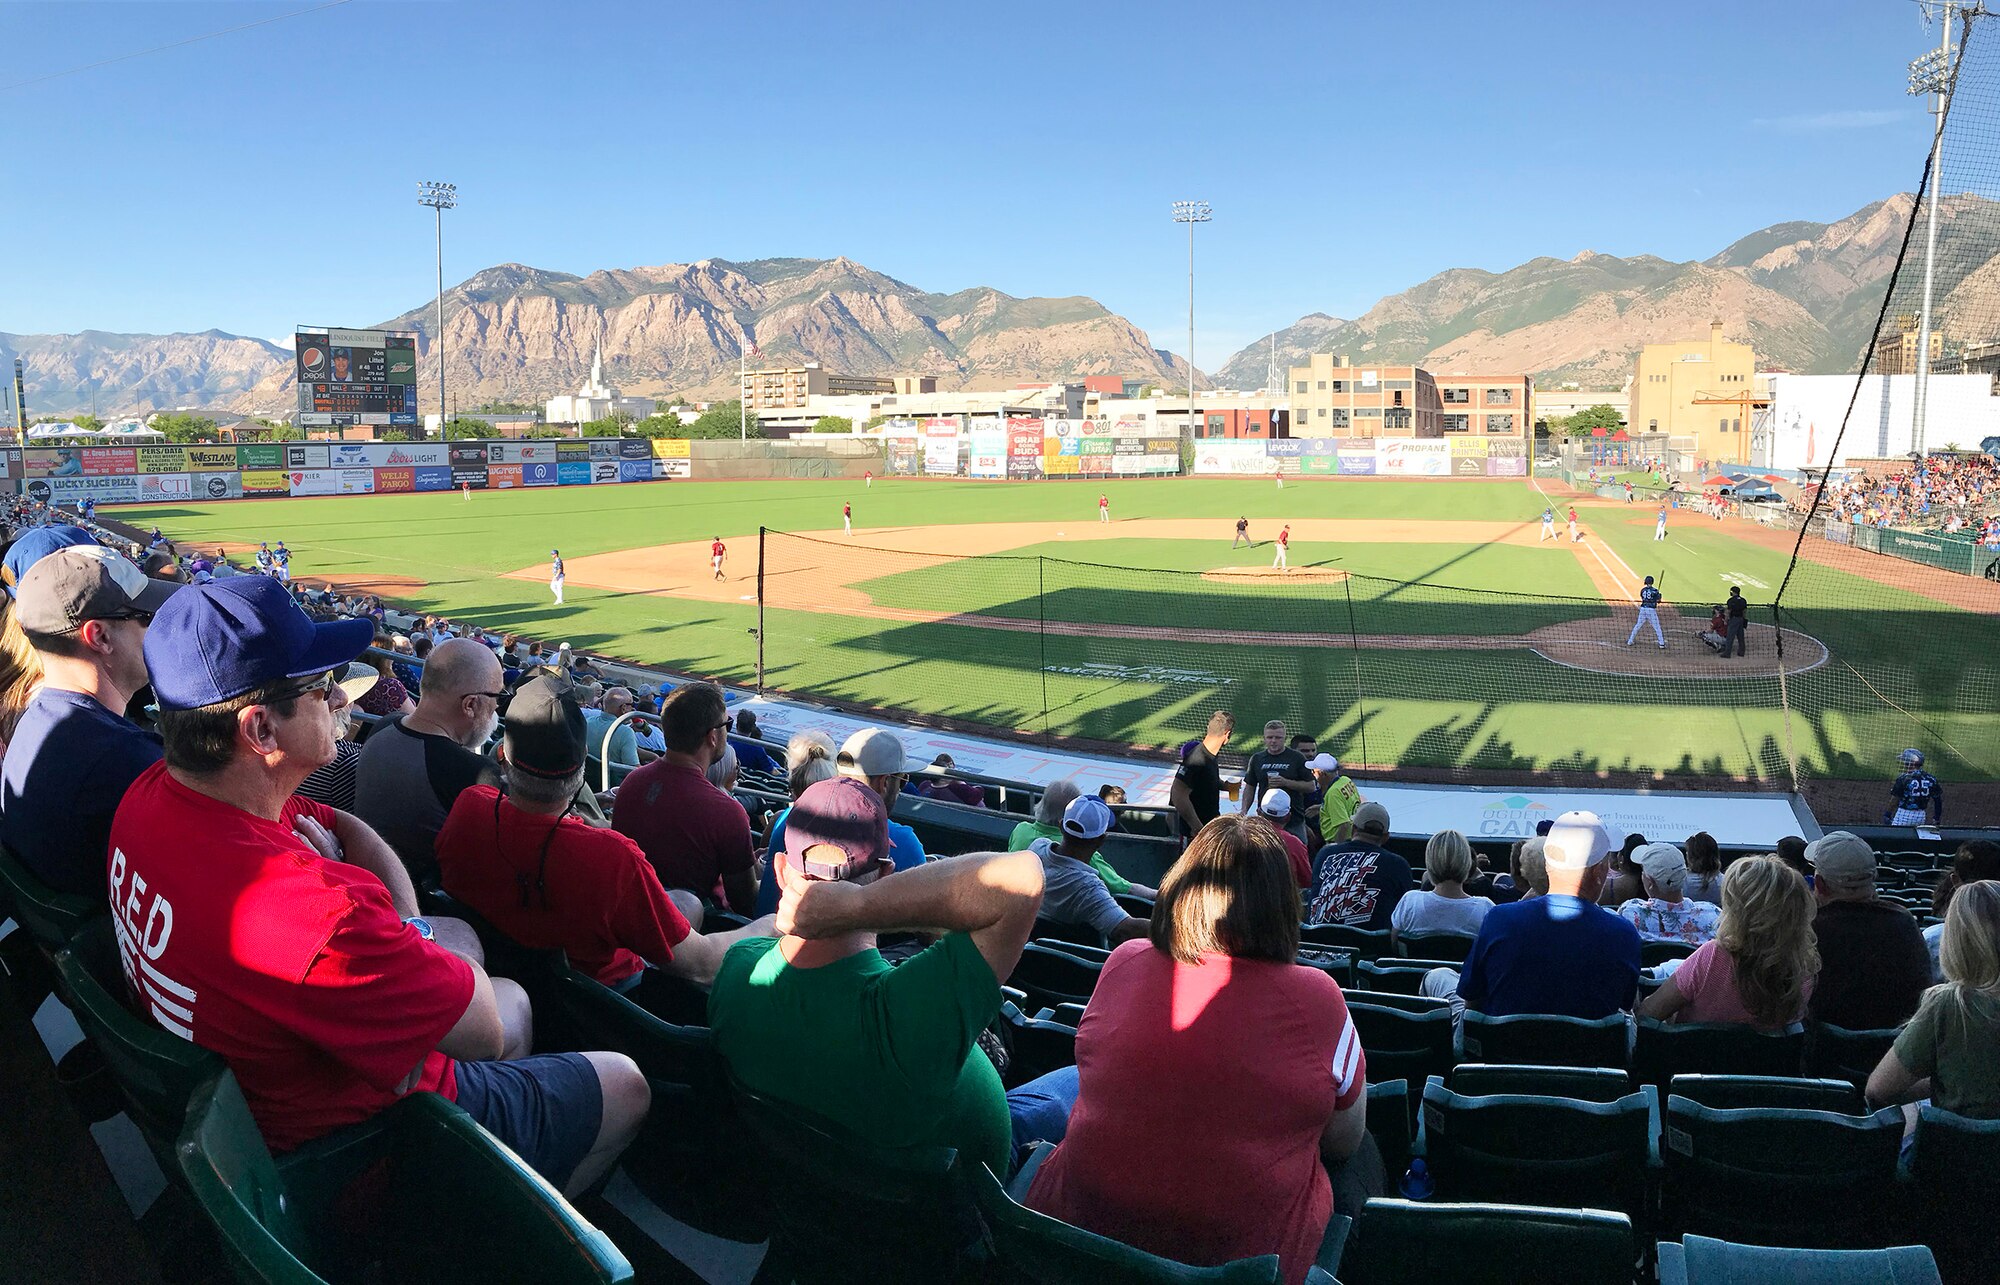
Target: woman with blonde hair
<point>809,758</point>
<point>1950,1051</point>
<point>1444,907</point>
<point>1243,1169</point>
<point>1760,967</point>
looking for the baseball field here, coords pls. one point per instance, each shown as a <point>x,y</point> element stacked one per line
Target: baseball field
<point>1419,623</point>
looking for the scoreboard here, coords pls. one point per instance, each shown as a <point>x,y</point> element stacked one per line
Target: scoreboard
<point>356,377</point>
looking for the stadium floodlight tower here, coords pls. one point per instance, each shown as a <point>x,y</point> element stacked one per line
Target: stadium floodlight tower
<point>440,197</point>
<point>1191,213</point>
<point>1931,74</point>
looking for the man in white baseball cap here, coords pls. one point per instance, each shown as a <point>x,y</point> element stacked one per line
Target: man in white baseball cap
<point>1339,796</point>
<point>1072,893</point>
<point>1562,953</point>
<point>1276,808</point>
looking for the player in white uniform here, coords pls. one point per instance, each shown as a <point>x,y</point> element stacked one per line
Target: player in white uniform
<point>1660,524</point>
<point>1548,524</point>
<point>556,575</point>
<point>1649,614</point>
<point>281,563</point>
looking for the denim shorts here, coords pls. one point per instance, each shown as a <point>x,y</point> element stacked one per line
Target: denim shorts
<point>546,1109</point>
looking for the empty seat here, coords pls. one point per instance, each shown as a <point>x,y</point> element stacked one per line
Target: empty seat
<point>1391,1114</point>
<point>1400,1002</point>
<point>1955,1156</point>
<point>1134,905</point>
<point>1589,1084</point>
<point>1050,976</point>
<point>1366,943</point>
<point>434,1189</point>
<point>1769,1176</point>
<point>51,918</point>
<point>1703,1260</point>
<point>1560,1152</point>
<point>1653,953</point>
<point>1834,1052</point>
<point>1781,1091</point>
<point>1546,1039</point>
<point>1405,977</point>
<point>1400,1045</point>
<point>1337,964</point>
<point>1451,948</point>
<point>1040,1045</point>
<point>1052,931</point>
<point>1664,1050</point>
<point>1401,1242</point>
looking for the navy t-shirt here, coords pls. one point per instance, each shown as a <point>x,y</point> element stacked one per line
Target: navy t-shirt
<point>1554,954</point>
<point>66,770</point>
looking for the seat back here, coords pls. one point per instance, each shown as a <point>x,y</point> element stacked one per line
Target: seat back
<point>1836,1053</point>
<point>1392,1111</point>
<point>1767,1176</point>
<point>158,1073</point>
<point>1401,1242</point>
<point>1448,947</point>
<point>1654,952</point>
<point>1952,1156</point>
<point>50,917</point>
<point>1546,1039</point>
<point>1703,1258</point>
<point>851,1210</point>
<point>1051,976</point>
<point>1366,943</point>
<point>1052,930</point>
<point>1040,1046</point>
<point>1559,1152</point>
<point>1727,1092</point>
<point>1337,964</point>
<point>1402,976</point>
<point>1663,1051</point>
<point>1400,1045</point>
<point>222,1158</point>
<point>1586,1084</point>
<point>1030,1248</point>
<point>1400,1002</point>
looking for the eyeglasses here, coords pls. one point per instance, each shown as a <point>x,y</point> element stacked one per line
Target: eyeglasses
<point>492,696</point>
<point>321,687</point>
<point>144,618</point>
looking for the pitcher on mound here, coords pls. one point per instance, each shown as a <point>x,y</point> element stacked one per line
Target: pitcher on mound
<point>1284,545</point>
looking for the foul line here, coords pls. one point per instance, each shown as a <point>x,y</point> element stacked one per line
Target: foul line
<point>1592,546</point>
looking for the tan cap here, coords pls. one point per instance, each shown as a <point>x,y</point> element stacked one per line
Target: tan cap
<point>85,582</point>
<point>872,752</point>
<point>1577,841</point>
<point>1663,864</point>
<point>1842,861</point>
<point>1372,817</point>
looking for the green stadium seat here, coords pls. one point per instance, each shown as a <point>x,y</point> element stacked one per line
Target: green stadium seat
<point>1030,1248</point>
<point>1399,1001</point>
<point>1051,976</point>
<point>1134,905</point>
<point>849,1210</point>
<point>1051,932</point>
<point>1954,1156</point>
<point>1040,1045</point>
<point>417,1193</point>
<point>1664,1050</point>
<point>1400,1045</point>
<point>1402,1242</point>
<point>1451,948</point>
<point>157,1073</point>
<point>1806,1179</point>
<point>1587,1084</point>
<point>50,917</point>
<point>1391,1115</point>
<point>1783,1092</point>
<point>1559,1152</point>
<point>1702,1260</point>
<point>1337,964</point>
<point>1403,976</point>
<point>1366,943</point>
<point>1546,1039</point>
<point>1654,953</point>
<point>1082,950</point>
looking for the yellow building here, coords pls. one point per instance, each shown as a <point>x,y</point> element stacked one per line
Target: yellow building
<point>1698,392</point>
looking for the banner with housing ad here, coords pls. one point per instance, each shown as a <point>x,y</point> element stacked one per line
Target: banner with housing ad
<point>989,453</point>
<point>941,445</point>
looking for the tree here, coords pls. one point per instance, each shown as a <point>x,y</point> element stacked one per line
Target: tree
<point>833,424</point>
<point>461,427</point>
<point>508,408</point>
<point>1599,416</point>
<point>874,422</point>
<point>612,425</point>
<point>183,428</point>
<point>88,423</point>
<point>663,425</point>
<point>721,421</point>
<point>397,435</point>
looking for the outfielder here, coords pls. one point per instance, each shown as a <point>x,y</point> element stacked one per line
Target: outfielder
<point>1103,507</point>
<point>1660,524</point>
<point>1916,793</point>
<point>847,518</point>
<point>555,573</point>
<point>1548,524</point>
<point>1284,544</point>
<point>1649,614</point>
<point>715,552</point>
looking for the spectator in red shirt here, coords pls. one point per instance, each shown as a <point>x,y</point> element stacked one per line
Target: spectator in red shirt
<point>1242,1171</point>
<point>284,935</point>
<point>1276,808</point>
<point>551,880</point>
<point>697,837</point>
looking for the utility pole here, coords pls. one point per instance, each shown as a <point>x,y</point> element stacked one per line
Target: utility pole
<point>440,197</point>
<point>1933,74</point>
<point>1191,213</point>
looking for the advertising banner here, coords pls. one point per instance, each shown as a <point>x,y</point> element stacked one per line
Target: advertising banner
<point>670,448</point>
<point>166,486</point>
<point>434,477</point>
<point>261,455</point>
<point>109,461</point>
<point>1506,466</point>
<point>1412,457</point>
<point>313,481</point>
<point>1354,456</point>
<point>53,461</point>
<point>1318,445</point>
<point>1285,447</point>
<point>1224,456</point>
<point>941,445</point>
<point>1319,465</point>
<point>265,481</point>
<point>603,448</point>
<point>387,454</point>
<point>219,486</point>
<point>504,477</point>
<point>572,450</point>
<point>306,455</point>
<point>462,475</point>
<point>1024,446</point>
<point>168,459</point>
<point>1468,456</point>
<point>989,453</point>
<point>10,463</point>
<point>905,455</point>
<point>1128,446</point>
<point>1062,465</point>
<point>1467,446</point>
<point>673,467</point>
<point>71,490</point>
<point>210,459</point>
<point>635,448</point>
<point>636,470</point>
<point>604,471</point>
<point>1054,446</point>
<point>347,454</point>
<point>1094,446</point>
<point>1163,446</point>
<point>395,481</point>
<point>539,473</point>
<point>466,455</point>
<point>573,472</point>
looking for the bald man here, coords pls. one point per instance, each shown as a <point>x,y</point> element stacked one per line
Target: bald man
<point>623,751</point>
<point>412,768</point>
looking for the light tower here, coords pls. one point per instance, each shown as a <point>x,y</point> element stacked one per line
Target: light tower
<point>1191,213</point>
<point>440,197</point>
<point>1934,73</point>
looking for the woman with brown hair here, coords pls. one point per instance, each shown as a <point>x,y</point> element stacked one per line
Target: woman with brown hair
<point>1759,969</point>
<point>1704,862</point>
<point>1180,1143</point>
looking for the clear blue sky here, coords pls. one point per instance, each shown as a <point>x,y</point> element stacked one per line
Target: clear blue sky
<point>268,177</point>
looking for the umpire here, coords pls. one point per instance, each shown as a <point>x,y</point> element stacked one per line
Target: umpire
<point>1737,615</point>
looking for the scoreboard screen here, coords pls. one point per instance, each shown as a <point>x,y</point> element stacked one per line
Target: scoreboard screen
<point>356,377</point>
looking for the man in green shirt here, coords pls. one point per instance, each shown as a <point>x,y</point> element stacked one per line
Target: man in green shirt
<point>1339,796</point>
<point>819,1006</point>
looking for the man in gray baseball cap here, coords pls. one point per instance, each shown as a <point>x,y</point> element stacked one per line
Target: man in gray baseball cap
<point>84,610</point>
<point>1873,964</point>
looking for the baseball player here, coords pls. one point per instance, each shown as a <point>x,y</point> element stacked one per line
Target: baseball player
<point>1660,524</point>
<point>1574,534</point>
<point>868,480</point>
<point>281,563</point>
<point>266,564</point>
<point>1278,475</point>
<point>847,518</point>
<point>715,552</point>
<point>1284,545</point>
<point>1916,793</point>
<point>1628,493</point>
<point>1649,614</point>
<point>555,574</point>
<point>1242,534</point>
<point>467,489</point>
<point>1548,524</point>
<point>1103,507</point>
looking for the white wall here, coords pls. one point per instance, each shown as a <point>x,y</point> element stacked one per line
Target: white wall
<point>1806,411</point>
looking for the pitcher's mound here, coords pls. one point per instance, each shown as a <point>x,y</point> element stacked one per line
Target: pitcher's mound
<point>1289,575</point>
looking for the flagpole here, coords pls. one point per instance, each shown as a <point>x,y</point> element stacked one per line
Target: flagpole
<point>743,390</point>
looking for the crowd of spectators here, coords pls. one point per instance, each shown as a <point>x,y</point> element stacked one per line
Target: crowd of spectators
<point>1956,494</point>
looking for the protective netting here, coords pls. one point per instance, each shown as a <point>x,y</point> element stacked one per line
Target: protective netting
<point>1895,560</point>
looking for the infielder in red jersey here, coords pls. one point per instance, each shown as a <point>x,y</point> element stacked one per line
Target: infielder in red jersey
<point>715,552</point>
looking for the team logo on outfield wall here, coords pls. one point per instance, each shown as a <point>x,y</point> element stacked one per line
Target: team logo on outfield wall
<point>1515,815</point>
<point>1142,673</point>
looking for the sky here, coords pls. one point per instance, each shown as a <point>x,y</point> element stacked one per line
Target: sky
<point>267,177</point>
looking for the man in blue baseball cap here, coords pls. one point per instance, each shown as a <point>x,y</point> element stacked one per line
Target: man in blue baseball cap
<point>284,935</point>
<point>38,544</point>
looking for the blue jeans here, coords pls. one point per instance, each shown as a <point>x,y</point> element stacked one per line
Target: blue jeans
<point>1040,1109</point>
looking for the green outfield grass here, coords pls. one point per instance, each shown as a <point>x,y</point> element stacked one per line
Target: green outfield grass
<point>1906,660</point>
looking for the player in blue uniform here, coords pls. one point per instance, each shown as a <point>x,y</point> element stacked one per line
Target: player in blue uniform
<point>1649,614</point>
<point>1917,793</point>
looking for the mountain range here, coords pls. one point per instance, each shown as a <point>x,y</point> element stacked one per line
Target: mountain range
<point>1804,294</point>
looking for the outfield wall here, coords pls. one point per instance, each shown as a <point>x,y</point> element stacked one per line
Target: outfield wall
<point>1362,457</point>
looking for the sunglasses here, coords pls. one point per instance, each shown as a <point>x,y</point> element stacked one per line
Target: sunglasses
<point>321,687</point>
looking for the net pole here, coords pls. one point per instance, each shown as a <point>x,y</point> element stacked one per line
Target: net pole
<point>1785,698</point>
<point>1042,638</point>
<point>1354,653</point>
<point>760,609</point>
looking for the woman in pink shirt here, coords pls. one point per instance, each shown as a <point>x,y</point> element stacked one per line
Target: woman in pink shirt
<point>1759,970</point>
<point>1179,1143</point>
